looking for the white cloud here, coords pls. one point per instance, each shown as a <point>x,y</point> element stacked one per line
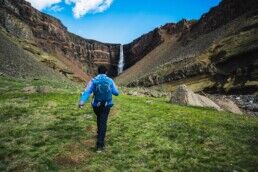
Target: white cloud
<point>41,4</point>
<point>56,8</point>
<point>83,7</point>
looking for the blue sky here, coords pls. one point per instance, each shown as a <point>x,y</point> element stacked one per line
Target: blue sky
<point>122,21</point>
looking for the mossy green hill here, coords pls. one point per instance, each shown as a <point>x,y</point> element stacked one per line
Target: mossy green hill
<point>47,132</point>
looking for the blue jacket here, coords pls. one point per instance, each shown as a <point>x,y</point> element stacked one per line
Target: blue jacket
<point>91,87</point>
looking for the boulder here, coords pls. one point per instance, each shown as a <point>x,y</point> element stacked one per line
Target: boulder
<point>184,96</point>
<point>226,104</point>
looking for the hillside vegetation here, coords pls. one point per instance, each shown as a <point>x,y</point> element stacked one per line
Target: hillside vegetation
<point>47,132</point>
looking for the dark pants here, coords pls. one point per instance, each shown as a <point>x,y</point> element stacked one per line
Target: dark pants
<point>102,116</point>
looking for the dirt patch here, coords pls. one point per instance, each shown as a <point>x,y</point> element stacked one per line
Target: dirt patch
<point>74,155</point>
<point>91,129</point>
<point>114,111</point>
<point>89,143</point>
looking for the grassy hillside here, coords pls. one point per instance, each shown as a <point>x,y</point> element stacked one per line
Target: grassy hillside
<point>46,132</point>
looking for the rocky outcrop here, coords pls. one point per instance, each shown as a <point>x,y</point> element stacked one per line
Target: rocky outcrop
<point>48,33</point>
<point>225,12</point>
<point>226,104</point>
<point>136,50</point>
<point>184,96</point>
<point>181,28</point>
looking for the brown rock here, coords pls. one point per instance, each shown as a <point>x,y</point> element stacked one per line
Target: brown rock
<point>227,104</point>
<point>184,96</point>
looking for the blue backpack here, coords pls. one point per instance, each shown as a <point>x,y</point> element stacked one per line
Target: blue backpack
<point>102,92</point>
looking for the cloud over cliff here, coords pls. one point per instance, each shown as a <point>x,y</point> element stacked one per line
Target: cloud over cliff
<point>80,7</point>
<point>41,4</point>
<point>83,7</point>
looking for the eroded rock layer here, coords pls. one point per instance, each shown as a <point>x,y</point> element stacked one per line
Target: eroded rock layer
<point>81,56</point>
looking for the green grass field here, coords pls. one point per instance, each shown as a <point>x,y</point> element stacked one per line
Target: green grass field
<point>47,132</point>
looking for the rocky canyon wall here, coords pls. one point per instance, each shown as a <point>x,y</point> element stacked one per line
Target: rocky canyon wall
<point>216,54</point>
<point>81,55</point>
<point>143,45</point>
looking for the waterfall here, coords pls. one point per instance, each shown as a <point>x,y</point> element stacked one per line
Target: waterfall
<point>121,60</point>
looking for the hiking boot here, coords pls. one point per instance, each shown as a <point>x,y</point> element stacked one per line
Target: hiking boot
<point>100,149</point>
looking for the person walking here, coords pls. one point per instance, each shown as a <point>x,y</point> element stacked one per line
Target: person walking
<point>102,88</point>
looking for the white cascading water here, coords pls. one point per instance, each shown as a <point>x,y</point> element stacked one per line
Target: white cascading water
<point>121,60</point>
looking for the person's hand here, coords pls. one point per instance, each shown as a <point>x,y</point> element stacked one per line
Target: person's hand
<point>80,106</point>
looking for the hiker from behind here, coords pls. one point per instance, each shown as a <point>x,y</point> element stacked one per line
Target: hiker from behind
<point>102,88</point>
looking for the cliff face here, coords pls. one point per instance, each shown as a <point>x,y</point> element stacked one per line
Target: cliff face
<point>225,12</point>
<point>143,45</point>
<point>80,55</point>
<point>140,47</point>
<point>217,54</point>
